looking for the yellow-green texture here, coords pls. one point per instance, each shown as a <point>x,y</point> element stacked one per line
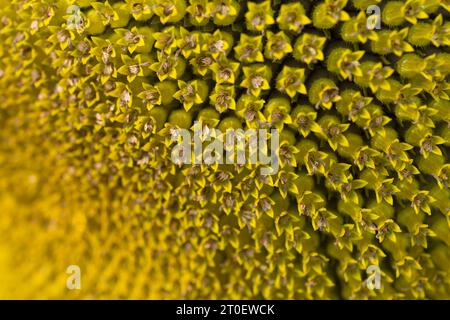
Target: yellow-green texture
<point>86,115</point>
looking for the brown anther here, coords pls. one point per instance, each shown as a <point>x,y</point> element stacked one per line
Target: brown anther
<point>257,81</point>
<point>225,73</point>
<point>334,131</point>
<point>204,61</point>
